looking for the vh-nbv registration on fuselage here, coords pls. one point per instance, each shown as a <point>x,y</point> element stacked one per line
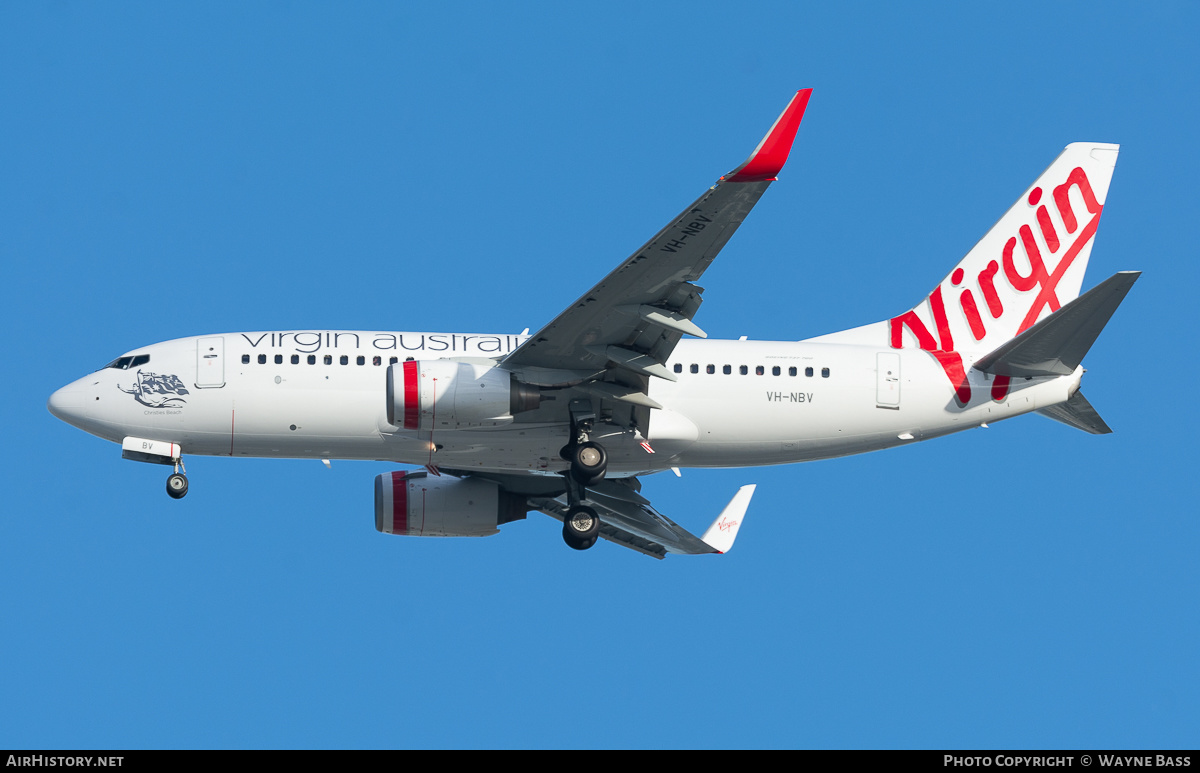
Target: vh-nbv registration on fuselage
<point>624,382</point>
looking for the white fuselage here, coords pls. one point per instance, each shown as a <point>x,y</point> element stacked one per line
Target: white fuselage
<point>736,403</point>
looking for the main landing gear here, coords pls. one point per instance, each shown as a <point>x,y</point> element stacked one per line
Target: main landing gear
<point>177,483</point>
<point>581,527</point>
<point>589,462</point>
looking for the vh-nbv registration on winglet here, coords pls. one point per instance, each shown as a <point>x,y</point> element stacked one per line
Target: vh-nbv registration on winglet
<point>624,383</point>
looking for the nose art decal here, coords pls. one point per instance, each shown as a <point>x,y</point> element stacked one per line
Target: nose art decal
<point>155,391</point>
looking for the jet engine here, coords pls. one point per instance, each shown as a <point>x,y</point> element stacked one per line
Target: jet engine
<point>423,505</point>
<point>445,394</point>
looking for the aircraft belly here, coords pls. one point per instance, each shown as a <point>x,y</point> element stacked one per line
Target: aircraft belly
<point>518,448</point>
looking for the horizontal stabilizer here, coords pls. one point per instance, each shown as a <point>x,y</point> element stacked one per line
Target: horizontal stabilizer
<point>1056,345</point>
<point>1078,413</point>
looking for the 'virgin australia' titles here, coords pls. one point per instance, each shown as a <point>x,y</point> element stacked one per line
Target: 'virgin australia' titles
<point>312,341</point>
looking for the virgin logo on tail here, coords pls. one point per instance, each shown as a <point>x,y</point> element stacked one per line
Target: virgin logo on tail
<point>1007,270</point>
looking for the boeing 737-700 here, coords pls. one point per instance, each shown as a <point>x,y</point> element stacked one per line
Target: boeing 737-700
<point>624,383</point>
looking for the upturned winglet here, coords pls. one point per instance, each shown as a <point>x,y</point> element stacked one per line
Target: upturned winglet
<point>771,154</point>
<point>724,530</point>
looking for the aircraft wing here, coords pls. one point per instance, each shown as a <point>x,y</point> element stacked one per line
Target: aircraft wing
<point>627,519</point>
<point>624,329</point>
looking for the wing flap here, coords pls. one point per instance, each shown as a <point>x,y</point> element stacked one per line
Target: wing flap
<point>629,520</point>
<point>660,275</point>
<point>558,509</point>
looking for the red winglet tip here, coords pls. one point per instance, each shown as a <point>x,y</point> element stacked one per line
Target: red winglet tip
<point>769,157</point>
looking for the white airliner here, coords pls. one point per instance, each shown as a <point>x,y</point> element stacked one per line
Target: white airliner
<point>564,420</point>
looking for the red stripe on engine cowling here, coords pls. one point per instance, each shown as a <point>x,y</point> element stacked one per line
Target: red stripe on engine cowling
<point>399,504</point>
<point>412,398</point>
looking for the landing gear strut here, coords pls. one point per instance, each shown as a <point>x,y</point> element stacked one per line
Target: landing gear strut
<point>589,461</point>
<point>177,483</point>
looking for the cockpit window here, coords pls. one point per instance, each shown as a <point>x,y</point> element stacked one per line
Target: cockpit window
<point>125,363</point>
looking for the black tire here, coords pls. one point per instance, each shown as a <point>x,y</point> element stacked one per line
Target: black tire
<point>177,486</point>
<point>575,544</point>
<point>581,527</point>
<point>589,461</point>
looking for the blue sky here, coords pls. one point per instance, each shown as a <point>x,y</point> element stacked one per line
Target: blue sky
<point>170,170</point>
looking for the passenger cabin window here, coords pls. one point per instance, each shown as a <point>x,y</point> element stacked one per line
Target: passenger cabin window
<point>775,371</point>
<point>393,360</point>
<point>377,360</point>
<point>328,359</point>
<point>791,371</point>
<point>361,360</point>
<point>345,360</point>
<point>824,372</point>
<point>295,359</point>
<point>695,368</point>
<point>279,359</point>
<point>711,369</point>
<point>743,369</point>
<point>262,359</point>
<point>727,369</point>
<point>808,372</point>
<point>312,359</point>
<point>758,371</point>
<point>679,367</point>
<point>245,359</point>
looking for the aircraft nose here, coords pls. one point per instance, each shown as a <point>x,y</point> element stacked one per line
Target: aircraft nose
<point>67,403</point>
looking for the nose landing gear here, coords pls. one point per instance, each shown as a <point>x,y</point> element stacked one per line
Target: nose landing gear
<point>177,483</point>
<point>177,486</point>
<point>159,452</point>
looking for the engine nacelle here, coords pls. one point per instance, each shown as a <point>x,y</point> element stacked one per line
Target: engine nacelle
<point>423,505</point>
<point>444,394</point>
